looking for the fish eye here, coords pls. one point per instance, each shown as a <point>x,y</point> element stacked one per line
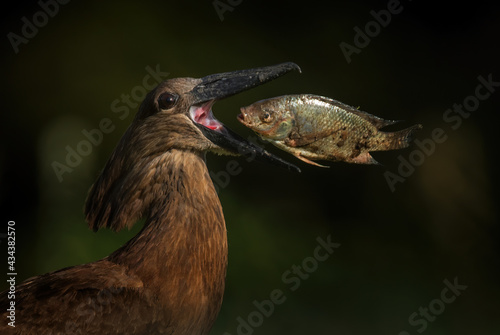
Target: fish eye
<point>266,117</point>
<point>167,100</point>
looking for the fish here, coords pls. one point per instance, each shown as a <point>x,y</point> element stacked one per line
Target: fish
<point>313,127</point>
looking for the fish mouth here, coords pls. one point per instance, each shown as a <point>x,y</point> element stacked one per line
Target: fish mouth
<point>245,119</point>
<point>219,86</point>
<point>242,118</point>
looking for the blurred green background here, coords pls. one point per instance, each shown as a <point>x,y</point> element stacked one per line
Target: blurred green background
<point>397,247</point>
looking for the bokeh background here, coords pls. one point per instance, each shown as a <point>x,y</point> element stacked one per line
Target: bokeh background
<point>397,247</point>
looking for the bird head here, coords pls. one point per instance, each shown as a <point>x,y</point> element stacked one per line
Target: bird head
<point>176,115</point>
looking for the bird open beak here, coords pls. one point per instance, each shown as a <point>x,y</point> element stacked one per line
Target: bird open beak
<point>222,85</point>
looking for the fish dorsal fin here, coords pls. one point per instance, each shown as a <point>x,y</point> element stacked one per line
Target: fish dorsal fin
<point>375,120</point>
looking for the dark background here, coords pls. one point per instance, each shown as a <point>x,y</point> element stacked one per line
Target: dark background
<point>397,247</point>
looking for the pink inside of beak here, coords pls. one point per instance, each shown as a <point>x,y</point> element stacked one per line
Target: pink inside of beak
<point>204,116</point>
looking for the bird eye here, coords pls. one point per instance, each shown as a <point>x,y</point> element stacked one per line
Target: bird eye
<point>266,117</point>
<point>167,100</point>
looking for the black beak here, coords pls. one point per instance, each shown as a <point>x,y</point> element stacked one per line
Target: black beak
<point>218,86</point>
<point>222,85</point>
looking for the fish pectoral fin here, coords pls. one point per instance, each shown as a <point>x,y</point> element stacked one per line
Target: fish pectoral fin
<point>308,161</point>
<point>365,158</point>
<point>297,140</point>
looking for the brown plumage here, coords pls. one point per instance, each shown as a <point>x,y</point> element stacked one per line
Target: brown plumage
<point>168,279</point>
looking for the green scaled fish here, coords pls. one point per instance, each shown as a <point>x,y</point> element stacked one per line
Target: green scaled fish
<point>312,127</point>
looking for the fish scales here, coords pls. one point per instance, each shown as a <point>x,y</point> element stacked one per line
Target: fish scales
<point>314,116</point>
<point>313,127</point>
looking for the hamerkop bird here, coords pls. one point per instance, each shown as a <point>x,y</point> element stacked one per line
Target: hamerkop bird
<point>169,278</point>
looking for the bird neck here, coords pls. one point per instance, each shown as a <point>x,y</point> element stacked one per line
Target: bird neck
<point>183,208</point>
<point>181,252</point>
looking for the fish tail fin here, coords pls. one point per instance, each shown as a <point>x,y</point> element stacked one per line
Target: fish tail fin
<point>396,140</point>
